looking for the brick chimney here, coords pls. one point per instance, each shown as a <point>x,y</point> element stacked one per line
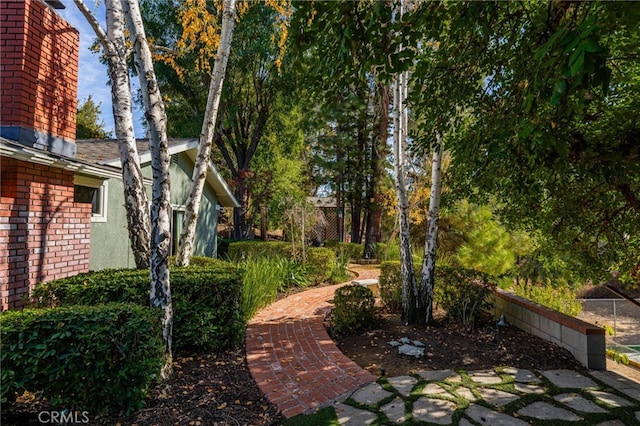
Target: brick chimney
<point>38,76</point>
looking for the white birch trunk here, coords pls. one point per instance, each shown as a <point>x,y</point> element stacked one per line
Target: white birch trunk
<point>409,290</point>
<point>160,209</point>
<point>431,240</point>
<point>187,235</point>
<point>135,196</point>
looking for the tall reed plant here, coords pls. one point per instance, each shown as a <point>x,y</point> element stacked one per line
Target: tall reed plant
<point>262,277</point>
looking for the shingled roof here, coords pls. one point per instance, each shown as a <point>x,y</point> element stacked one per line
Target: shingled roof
<point>107,152</point>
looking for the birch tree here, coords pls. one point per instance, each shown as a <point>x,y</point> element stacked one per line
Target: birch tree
<point>156,117</point>
<point>425,293</point>
<point>206,135</point>
<point>115,48</point>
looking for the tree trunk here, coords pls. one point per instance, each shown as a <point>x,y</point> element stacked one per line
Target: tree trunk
<point>187,235</point>
<point>409,290</point>
<point>373,233</point>
<point>240,226</point>
<point>431,241</point>
<point>135,196</point>
<point>155,114</point>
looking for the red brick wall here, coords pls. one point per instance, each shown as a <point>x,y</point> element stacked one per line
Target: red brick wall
<point>44,235</point>
<point>39,69</point>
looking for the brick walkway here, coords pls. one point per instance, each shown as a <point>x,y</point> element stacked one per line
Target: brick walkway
<point>292,358</point>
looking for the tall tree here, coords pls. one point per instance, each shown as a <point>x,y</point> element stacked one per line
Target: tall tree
<point>206,135</point>
<point>88,122</point>
<point>160,295</point>
<point>116,51</point>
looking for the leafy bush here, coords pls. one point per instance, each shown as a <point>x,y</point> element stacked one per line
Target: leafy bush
<point>353,309</point>
<point>262,278</point>
<point>320,263</point>
<point>391,285</point>
<point>381,251</point>
<point>340,272</point>
<point>93,358</point>
<point>561,299</point>
<point>241,250</point>
<point>352,250</point>
<point>207,301</point>
<point>463,293</point>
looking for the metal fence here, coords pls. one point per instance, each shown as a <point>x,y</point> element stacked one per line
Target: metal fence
<point>620,315</point>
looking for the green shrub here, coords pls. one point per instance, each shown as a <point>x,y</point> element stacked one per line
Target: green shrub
<point>561,299</point>
<point>381,251</point>
<point>320,263</point>
<point>463,293</point>
<point>391,285</point>
<point>241,250</point>
<point>262,278</point>
<point>353,309</point>
<point>352,250</point>
<point>91,358</point>
<point>340,272</point>
<point>207,301</point>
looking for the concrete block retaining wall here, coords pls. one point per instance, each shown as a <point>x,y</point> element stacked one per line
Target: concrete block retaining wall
<point>585,341</point>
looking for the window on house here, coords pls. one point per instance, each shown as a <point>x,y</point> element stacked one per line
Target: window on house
<point>94,192</point>
<point>177,219</point>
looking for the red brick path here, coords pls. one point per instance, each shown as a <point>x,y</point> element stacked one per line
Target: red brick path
<point>292,358</point>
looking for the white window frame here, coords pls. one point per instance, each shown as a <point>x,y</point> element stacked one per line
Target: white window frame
<point>102,192</point>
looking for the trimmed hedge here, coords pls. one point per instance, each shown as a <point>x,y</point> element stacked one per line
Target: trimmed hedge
<point>207,302</point>
<point>353,309</point>
<point>321,262</point>
<point>95,358</point>
<point>240,250</point>
<point>353,250</point>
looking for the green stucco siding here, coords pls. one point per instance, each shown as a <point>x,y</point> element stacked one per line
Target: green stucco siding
<point>110,247</point>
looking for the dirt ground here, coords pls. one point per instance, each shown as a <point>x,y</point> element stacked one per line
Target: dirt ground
<point>449,345</point>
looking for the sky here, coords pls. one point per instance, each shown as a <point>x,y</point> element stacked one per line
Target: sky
<point>92,75</point>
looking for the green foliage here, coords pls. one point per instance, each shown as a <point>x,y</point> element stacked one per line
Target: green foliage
<point>390,285</point>
<point>381,251</point>
<point>463,293</point>
<point>88,124</point>
<point>352,250</point>
<point>320,264</point>
<point>561,299</point>
<point>240,250</point>
<point>206,300</point>
<point>94,358</point>
<point>262,278</point>
<point>472,238</point>
<point>353,309</point>
<point>340,272</point>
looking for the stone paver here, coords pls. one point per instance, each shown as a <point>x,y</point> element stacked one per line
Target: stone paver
<point>434,389</point>
<point>624,385</point>
<point>529,388</point>
<point>485,377</point>
<point>611,399</point>
<point>370,394</point>
<point>439,375</point>
<point>545,411</point>
<point>351,416</point>
<point>433,410</point>
<point>466,394</point>
<point>497,397</point>
<point>403,384</point>
<point>395,411</point>
<point>579,403</point>
<point>522,375</point>
<point>487,417</point>
<point>569,379</point>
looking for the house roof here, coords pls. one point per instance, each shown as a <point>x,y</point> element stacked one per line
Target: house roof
<point>106,152</point>
<point>323,202</point>
<point>12,149</point>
